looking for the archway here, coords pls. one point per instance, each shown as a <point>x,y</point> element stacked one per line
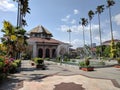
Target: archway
<point>53,53</point>
<point>40,53</point>
<point>47,55</point>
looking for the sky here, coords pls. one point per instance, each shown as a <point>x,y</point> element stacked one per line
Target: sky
<point>60,15</point>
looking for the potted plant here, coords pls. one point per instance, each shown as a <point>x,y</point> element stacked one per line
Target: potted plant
<point>85,65</point>
<point>39,63</point>
<point>118,61</point>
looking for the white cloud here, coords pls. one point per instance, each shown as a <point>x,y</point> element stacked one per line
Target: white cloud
<point>77,43</point>
<point>74,28</point>
<point>116,34</point>
<point>117,19</point>
<point>73,21</point>
<point>7,5</point>
<point>64,28</point>
<point>76,11</point>
<point>78,29</point>
<point>66,18</point>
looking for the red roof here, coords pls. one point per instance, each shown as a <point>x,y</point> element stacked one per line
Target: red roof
<point>41,40</point>
<point>93,49</point>
<point>109,41</point>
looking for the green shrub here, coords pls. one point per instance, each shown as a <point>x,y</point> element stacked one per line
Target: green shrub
<point>78,57</point>
<point>48,59</point>
<point>39,61</point>
<point>13,67</point>
<point>73,60</point>
<point>87,62</point>
<point>102,63</point>
<point>1,59</point>
<point>118,60</point>
<point>58,59</point>
<point>66,59</point>
<point>18,62</point>
<point>82,64</point>
<point>1,64</point>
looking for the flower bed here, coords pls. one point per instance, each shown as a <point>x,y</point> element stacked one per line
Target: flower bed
<point>8,65</point>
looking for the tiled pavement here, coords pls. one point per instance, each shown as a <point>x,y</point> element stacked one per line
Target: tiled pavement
<point>33,79</point>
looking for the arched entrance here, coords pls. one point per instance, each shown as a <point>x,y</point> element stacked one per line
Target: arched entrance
<point>47,55</point>
<point>40,53</point>
<point>53,53</point>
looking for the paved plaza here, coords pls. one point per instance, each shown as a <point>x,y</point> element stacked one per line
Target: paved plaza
<point>62,77</point>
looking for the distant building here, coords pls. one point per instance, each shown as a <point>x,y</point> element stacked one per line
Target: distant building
<point>41,43</point>
<point>93,44</point>
<point>108,42</point>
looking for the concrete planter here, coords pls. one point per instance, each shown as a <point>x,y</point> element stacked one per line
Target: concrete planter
<point>87,68</point>
<point>42,66</point>
<point>117,66</point>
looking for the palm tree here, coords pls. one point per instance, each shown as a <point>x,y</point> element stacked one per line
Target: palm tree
<point>109,4</point>
<point>99,10</point>
<point>84,23</point>
<point>23,8</point>
<point>90,14</point>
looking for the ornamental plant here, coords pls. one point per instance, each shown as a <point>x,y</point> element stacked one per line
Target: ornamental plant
<point>85,63</point>
<point>118,60</point>
<point>112,50</point>
<point>7,65</point>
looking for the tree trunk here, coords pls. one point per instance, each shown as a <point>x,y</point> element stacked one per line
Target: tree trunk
<point>100,35</point>
<point>83,36</point>
<point>111,23</point>
<point>90,35</point>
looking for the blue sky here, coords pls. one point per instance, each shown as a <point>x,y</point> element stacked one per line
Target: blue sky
<point>60,15</point>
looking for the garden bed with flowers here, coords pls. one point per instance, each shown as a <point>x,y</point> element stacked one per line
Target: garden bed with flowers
<point>8,66</point>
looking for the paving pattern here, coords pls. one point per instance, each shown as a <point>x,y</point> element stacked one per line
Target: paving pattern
<point>62,77</point>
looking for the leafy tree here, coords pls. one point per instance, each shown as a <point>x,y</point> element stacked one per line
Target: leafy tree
<point>118,49</point>
<point>14,39</point>
<point>106,51</point>
<point>7,40</point>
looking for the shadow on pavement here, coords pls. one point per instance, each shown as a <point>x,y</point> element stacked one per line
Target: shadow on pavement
<point>68,86</point>
<point>11,84</point>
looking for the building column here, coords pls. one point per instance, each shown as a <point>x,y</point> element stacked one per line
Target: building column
<point>50,53</point>
<point>44,52</point>
<point>34,50</point>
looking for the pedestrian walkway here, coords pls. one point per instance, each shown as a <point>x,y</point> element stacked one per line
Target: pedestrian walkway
<point>59,77</point>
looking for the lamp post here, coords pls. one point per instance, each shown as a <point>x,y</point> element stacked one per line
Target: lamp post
<point>69,32</point>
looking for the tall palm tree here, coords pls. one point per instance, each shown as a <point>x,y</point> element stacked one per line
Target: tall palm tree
<point>84,23</point>
<point>23,8</point>
<point>90,14</point>
<point>109,4</point>
<point>99,10</point>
